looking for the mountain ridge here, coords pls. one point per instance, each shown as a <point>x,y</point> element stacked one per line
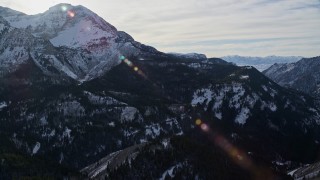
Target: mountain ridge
<point>302,75</point>
<point>132,94</point>
<point>261,63</point>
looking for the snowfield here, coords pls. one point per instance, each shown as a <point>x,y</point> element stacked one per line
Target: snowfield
<point>235,96</point>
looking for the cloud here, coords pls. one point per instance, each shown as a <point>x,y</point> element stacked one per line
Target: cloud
<point>216,28</point>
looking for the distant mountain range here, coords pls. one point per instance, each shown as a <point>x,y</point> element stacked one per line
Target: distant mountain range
<point>80,99</point>
<point>260,63</point>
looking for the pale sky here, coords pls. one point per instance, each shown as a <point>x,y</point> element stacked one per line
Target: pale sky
<point>213,27</point>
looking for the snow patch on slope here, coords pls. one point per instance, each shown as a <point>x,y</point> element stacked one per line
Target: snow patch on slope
<point>170,172</point>
<point>201,96</point>
<point>67,132</point>
<point>237,98</point>
<point>102,100</point>
<point>234,93</point>
<point>71,108</point>
<point>2,27</point>
<point>243,77</point>
<point>82,34</point>
<point>36,148</point>
<point>128,114</point>
<point>3,105</point>
<point>153,130</point>
<point>242,116</point>
<point>270,105</point>
<point>13,56</point>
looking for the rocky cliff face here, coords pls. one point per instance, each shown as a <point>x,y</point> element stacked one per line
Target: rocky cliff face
<point>303,75</point>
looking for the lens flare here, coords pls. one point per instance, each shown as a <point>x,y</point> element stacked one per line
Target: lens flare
<point>204,127</point>
<point>122,58</point>
<point>239,157</point>
<point>71,14</point>
<point>198,122</point>
<point>236,154</point>
<point>135,68</point>
<point>64,8</point>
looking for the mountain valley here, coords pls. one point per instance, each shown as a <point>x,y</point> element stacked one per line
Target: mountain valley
<point>80,99</point>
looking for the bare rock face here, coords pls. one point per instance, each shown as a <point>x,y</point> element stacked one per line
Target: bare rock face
<point>303,75</point>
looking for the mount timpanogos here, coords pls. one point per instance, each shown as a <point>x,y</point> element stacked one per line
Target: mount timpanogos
<point>76,43</point>
<point>80,99</point>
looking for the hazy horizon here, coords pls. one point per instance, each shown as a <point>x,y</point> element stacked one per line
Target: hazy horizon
<point>219,28</point>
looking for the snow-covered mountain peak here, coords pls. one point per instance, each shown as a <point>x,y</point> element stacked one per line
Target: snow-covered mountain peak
<point>78,13</point>
<point>75,40</point>
<point>67,25</point>
<point>61,7</point>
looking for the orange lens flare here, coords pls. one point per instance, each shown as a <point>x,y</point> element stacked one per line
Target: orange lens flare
<point>238,156</point>
<point>130,64</point>
<point>198,122</point>
<point>71,14</point>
